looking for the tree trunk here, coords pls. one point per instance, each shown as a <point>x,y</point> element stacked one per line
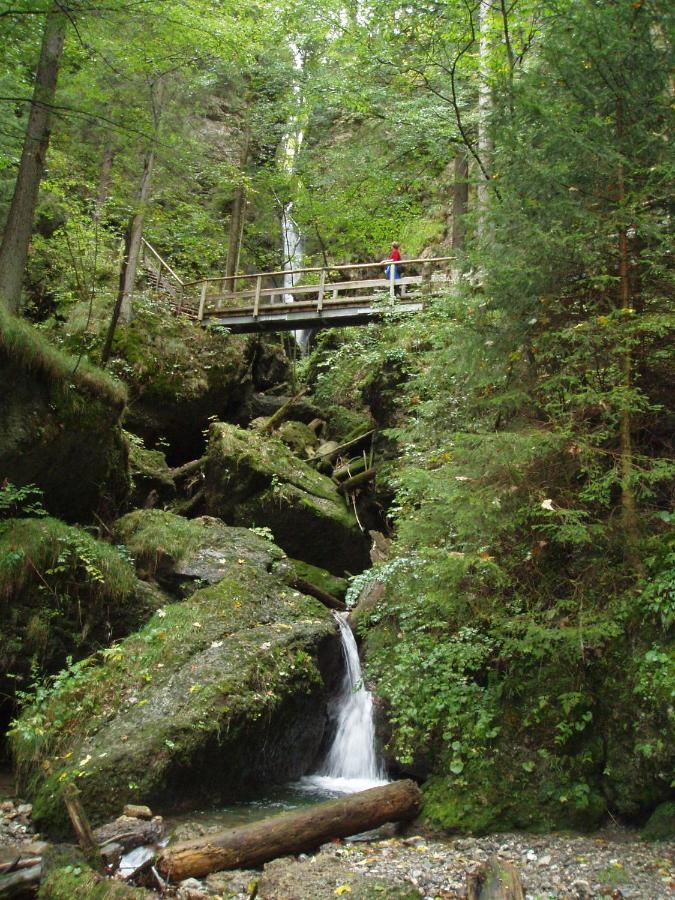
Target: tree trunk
<point>460,199</point>
<point>132,240</point>
<point>133,247</point>
<point>484,113</point>
<point>104,180</point>
<point>628,511</point>
<point>236,229</point>
<point>295,832</point>
<point>18,228</point>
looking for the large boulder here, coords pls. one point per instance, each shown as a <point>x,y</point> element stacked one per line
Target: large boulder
<point>255,480</point>
<point>62,594</point>
<point>216,695</point>
<point>60,426</point>
<point>183,555</point>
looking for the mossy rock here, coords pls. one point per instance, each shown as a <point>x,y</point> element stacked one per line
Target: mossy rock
<point>179,376</point>
<point>255,480</point>
<point>149,472</point>
<point>60,426</point>
<point>661,823</point>
<point>215,696</point>
<point>186,554</point>
<point>331,584</point>
<point>298,437</point>
<point>62,593</point>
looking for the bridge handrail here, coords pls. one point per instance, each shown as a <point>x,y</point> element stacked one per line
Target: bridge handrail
<point>162,262</point>
<point>329,268</point>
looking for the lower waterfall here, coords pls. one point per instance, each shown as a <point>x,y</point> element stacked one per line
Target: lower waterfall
<point>352,763</point>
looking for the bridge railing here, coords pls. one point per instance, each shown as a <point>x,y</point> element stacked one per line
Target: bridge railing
<point>314,287</point>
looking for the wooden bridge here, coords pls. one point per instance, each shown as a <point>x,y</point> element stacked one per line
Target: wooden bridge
<point>325,296</point>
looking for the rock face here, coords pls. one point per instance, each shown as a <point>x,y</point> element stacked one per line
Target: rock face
<point>150,475</point>
<point>60,426</point>
<point>255,480</point>
<point>186,554</point>
<point>216,695</point>
<point>62,593</point>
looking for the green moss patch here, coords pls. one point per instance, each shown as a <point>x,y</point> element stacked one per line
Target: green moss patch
<point>332,584</point>
<point>225,683</point>
<point>184,554</point>
<point>255,480</point>
<point>28,351</point>
<point>62,593</point>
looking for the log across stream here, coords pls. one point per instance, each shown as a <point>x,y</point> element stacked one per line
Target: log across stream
<point>303,830</point>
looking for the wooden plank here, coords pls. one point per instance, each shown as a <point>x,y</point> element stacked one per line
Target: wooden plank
<point>341,268</point>
<point>202,302</point>
<point>322,287</point>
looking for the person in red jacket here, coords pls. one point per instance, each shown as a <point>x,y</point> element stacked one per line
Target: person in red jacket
<point>394,256</point>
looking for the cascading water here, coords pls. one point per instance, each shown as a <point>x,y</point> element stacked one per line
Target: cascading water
<point>291,239</point>
<point>352,763</point>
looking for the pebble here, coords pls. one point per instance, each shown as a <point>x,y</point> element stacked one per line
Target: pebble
<point>612,864</point>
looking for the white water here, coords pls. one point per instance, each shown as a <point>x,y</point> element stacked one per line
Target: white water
<point>352,763</point>
<point>291,239</point>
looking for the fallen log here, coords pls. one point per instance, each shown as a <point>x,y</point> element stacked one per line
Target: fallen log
<point>350,468</point>
<point>81,826</point>
<point>280,414</point>
<point>357,481</point>
<point>20,883</point>
<point>289,833</point>
<point>306,587</point>
<point>495,880</point>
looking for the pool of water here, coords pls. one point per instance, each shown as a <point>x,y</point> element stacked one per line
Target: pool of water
<point>306,792</point>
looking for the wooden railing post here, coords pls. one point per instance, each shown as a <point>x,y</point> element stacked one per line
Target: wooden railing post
<point>256,301</point>
<point>322,287</point>
<point>202,301</point>
<point>158,280</point>
<point>392,281</point>
<point>181,297</point>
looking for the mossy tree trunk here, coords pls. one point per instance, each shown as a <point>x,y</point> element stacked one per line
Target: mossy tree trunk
<point>18,228</point>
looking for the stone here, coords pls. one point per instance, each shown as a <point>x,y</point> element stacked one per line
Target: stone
<point>60,426</point>
<point>255,480</point>
<point>135,811</point>
<point>215,696</point>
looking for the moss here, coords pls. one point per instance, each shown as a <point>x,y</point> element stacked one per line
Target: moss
<point>183,554</point>
<point>149,471</point>
<point>225,682</point>
<point>323,579</point>
<point>61,426</point>
<point>155,537</point>
<point>62,593</point>
<point>346,424</point>
<point>82,883</point>
<point>298,437</point>
<point>661,823</point>
<point>256,481</point>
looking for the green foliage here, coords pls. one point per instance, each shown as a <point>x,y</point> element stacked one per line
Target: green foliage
<point>25,349</point>
<point>20,502</point>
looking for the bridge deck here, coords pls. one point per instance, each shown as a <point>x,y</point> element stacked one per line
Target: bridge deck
<point>299,315</point>
<point>306,298</point>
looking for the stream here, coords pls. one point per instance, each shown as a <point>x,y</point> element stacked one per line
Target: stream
<point>352,762</point>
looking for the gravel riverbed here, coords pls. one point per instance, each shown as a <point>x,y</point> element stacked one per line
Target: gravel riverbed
<point>614,863</point>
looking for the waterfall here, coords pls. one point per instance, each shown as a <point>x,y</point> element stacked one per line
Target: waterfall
<point>352,763</point>
<point>291,239</point>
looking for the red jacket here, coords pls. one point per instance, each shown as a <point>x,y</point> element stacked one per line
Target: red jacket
<point>395,254</point>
